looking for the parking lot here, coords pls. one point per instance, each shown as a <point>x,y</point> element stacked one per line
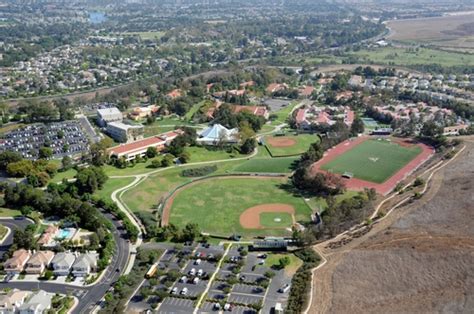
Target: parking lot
<point>64,138</point>
<point>174,305</point>
<point>240,285</point>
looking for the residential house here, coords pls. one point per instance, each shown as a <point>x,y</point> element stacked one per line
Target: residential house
<point>38,262</point>
<point>48,236</point>
<point>260,111</point>
<point>62,263</point>
<point>276,87</point>
<point>38,303</point>
<point>85,264</point>
<point>17,262</point>
<point>175,93</point>
<point>306,91</point>
<point>11,301</point>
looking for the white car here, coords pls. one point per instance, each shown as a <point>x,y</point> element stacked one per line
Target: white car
<point>196,280</point>
<point>184,291</point>
<point>197,262</point>
<point>192,272</point>
<point>199,273</point>
<point>175,290</point>
<point>184,279</point>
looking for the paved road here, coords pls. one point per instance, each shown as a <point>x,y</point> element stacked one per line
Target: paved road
<point>88,297</point>
<point>12,224</point>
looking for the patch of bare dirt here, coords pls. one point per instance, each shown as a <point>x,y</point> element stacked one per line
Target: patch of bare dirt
<point>420,260</point>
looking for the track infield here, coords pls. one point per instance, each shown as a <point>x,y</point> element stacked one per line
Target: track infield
<point>374,163</point>
<point>216,205</point>
<point>289,145</point>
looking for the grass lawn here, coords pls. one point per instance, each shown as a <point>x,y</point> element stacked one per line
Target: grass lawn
<point>164,125</point>
<point>402,56</point>
<point>319,203</point>
<point>276,220</point>
<point>69,174</point>
<point>3,232</point>
<point>200,154</point>
<point>6,212</point>
<point>139,168</point>
<point>283,113</point>
<point>373,160</point>
<point>303,141</point>
<point>216,205</point>
<point>273,260</point>
<point>111,185</point>
<point>268,165</point>
<point>189,115</point>
<point>148,193</point>
<point>10,127</point>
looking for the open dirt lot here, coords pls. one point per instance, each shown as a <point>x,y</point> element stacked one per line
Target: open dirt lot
<point>448,31</point>
<point>418,260</point>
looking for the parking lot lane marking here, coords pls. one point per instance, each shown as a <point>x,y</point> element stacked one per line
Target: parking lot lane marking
<point>208,286</point>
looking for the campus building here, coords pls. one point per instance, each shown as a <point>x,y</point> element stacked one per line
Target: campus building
<point>125,133</point>
<point>107,115</point>
<point>138,148</point>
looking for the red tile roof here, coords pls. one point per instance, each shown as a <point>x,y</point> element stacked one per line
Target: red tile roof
<point>301,115</point>
<point>156,141</point>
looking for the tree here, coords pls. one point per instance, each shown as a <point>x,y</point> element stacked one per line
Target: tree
<point>45,153</point>
<point>184,157</point>
<point>190,232</point>
<point>431,130</point>
<point>156,163</point>
<point>20,169</point>
<point>24,239</point>
<point>89,180</point>
<point>151,152</point>
<point>248,146</point>
<point>167,160</point>
<point>8,157</point>
<point>66,163</point>
<point>357,126</point>
<point>98,151</point>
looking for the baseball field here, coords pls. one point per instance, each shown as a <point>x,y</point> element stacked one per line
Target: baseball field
<point>238,205</point>
<point>289,145</point>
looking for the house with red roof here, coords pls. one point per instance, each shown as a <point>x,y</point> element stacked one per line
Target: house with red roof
<point>276,87</point>
<point>175,93</point>
<point>306,91</point>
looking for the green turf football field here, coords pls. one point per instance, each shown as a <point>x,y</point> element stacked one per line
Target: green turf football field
<point>373,160</point>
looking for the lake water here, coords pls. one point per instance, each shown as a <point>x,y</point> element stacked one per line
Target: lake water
<point>97,17</point>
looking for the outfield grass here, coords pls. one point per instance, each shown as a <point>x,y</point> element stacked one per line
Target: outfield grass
<point>303,142</point>
<point>3,232</point>
<point>267,165</point>
<point>269,220</point>
<point>216,204</point>
<point>373,160</point>
<point>146,195</point>
<point>402,56</point>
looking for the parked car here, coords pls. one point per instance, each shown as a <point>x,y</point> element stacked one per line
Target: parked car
<point>196,280</point>
<point>192,272</point>
<point>175,290</point>
<point>197,262</point>
<point>184,291</point>
<point>285,288</point>
<point>199,273</point>
<point>184,279</point>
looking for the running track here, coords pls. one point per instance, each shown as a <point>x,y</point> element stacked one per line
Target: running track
<point>382,188</point>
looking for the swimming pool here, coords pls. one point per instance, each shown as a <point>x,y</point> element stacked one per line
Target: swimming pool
<point>65,234</point>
